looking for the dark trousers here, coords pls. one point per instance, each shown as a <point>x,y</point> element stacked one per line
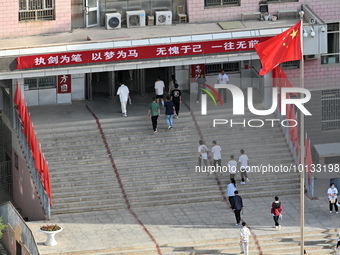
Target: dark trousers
<point>230,199</point>
<point>217,162</point>
<point>335,205</point>
<point>338,244</point>
<point>154,122</point>
<point>238,216</point>
<point>224,92</point>
<point>205,161</point>
<point>199,93</point>
<point>276,220</point>
<point>176,107</point>
<point>243,174</point>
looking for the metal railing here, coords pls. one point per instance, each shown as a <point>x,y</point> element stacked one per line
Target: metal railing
<point>309,182</point>
<point>10,216</point>
<point>330,100</point>
<point>35,15</point>
<point>45,200</point>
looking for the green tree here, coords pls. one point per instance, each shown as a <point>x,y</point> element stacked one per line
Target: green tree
<point>2,227</point>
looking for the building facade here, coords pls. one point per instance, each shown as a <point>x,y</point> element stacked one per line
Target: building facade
<point>69,64</point>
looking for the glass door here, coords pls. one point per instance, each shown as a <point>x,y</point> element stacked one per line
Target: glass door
<point>92,13</point>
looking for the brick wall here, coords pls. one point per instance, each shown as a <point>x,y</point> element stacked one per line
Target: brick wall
<point>326,9</point>
<point>316,75</point>
<point>10,27</point>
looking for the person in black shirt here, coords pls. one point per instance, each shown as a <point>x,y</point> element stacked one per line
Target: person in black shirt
<point>237,206</point>
<point>169,111</point>
<point>176,97</point>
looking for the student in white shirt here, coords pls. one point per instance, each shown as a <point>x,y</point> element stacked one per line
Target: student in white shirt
<point>159,90</point>
<point>216,153</point>
<point>332,197</point>
<point>222,78</point>
<point>124,94</point>
<point>244,239</point>
<point>232,167</point>
<point>202,153</point>
<point>244,163</point>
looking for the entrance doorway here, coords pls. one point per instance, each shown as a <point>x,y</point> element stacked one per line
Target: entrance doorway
<point>92,13</point>
<point>100,85</point>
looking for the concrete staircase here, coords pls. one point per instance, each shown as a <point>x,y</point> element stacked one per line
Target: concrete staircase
<point>155,169</point>
<point>316,242</point>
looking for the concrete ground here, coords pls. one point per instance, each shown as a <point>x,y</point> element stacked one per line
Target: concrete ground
<point>170,224</point>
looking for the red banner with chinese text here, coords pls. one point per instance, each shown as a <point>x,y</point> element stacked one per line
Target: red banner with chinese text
<point>138,53</point>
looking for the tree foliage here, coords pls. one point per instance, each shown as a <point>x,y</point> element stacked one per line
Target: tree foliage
<point>2,227</point>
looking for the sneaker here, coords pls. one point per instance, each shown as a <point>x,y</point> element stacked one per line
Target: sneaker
<point>169,127</point>
<point>155,131</point>
<point>330,212</point>
<point>176,117</point>
<point>236,224</point>
<point>196,102</point>
<point>337,212</point>
<point>242,252</point>
<point>279,227</point>
<point>243,183</point>
<point>125,115</point>
<point>247,180</point>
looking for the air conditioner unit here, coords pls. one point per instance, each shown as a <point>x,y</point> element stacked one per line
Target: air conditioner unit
<point>163,18</point>
<point>113,20</point>
<point>135,18</point>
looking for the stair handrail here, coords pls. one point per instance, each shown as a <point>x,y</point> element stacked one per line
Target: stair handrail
<point>44,198</point>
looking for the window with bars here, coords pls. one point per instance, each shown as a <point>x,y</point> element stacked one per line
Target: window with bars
<point>280,1</point>
<point>215,3</point>
<point>41,82</point>
<point>33,10</point>
<point>333,50</point>
<point>229,67</point>
<point>330,100</point>
<point>290,65</point>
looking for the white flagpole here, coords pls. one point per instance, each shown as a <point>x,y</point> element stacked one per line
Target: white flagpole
<point>302,146</point>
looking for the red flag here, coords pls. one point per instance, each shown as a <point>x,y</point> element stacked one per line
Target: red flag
<point>281,48</point>
<point>16,97</point>
<point>25,123</point>
<point>32,141</point>
<point>20,103</point>
<point>308,158</point>
<point>37,156</point>
<point>293,131</point>
<point>47,183</point>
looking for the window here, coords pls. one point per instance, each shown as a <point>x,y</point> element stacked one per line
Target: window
<point>32,10</point>
<point>290,65</point>
<point>228,67</point>
<point>221,3</point>
<point>40,83</point>
<point>280,1</point>
<point>330,100</point>
<point>333,51</point>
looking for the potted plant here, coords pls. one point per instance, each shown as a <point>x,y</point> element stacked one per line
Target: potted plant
<point>50,231</point>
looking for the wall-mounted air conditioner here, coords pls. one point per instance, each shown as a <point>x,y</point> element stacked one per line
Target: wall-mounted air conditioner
<point>113,20</point>
<point>163,18</point>
<point>135,18</point>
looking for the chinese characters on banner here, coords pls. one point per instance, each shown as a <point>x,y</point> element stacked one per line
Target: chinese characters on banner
<point>64,84</point>
<point>196,70</point>
<point>142,52</point>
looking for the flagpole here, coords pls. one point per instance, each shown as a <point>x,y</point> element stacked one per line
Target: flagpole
<point>302,151</point>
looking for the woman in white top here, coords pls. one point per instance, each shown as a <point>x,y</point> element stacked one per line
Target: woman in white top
<point>230,190</point>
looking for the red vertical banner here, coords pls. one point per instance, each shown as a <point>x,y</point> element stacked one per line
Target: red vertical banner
<point>196,70</point>
<point>64,84</point>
